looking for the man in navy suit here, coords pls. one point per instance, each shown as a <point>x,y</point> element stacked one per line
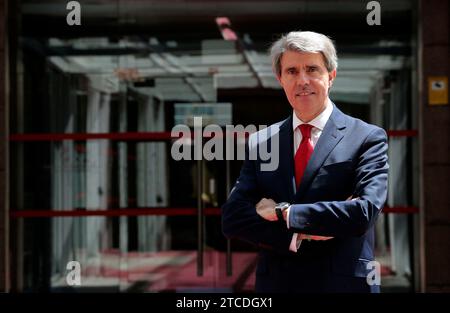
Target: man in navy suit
<point>313,216</point>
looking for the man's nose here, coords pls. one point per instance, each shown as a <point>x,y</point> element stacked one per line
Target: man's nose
<point>302,78</point>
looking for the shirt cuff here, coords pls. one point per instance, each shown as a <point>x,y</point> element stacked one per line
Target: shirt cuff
<point>295,243</point>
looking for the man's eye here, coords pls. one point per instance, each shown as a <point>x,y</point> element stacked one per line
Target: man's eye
<point>291,71</point>
<point>312,69</point>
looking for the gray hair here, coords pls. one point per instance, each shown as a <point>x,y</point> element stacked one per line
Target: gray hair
<point>304,42</point>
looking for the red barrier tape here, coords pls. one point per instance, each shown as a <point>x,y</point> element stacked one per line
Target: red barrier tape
<point>403,133</point>
<point>113,212</point>
<point>144,136</point>
<point>401,209</point>
<point>151,211</point>
<point>153,136</point>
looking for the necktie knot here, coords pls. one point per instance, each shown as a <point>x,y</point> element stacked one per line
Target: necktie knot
<point>306,130</point>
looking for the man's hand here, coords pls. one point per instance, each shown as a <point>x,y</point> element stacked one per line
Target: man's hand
<point>266,209</point>
<point>313,237</point>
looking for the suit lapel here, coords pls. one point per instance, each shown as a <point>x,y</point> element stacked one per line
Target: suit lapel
<point>330,137</point>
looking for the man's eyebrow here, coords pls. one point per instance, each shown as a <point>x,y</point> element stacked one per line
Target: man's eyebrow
<point>308,66</point>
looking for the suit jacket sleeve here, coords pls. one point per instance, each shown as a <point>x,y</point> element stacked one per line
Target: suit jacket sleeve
<point>239,217</point>
<point>350,218</point>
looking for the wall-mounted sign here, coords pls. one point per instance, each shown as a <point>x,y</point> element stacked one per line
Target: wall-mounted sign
<point>438,90</point>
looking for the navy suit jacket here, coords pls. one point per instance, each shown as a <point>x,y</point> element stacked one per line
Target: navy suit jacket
<point>350,158</point>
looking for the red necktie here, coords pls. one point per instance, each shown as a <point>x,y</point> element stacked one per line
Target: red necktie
<point>303,153</point>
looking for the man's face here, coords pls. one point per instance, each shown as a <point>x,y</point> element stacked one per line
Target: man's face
<point>305,81</point>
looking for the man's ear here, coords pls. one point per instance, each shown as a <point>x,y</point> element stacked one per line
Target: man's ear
<point>278,78</point>
<point>331,77</point>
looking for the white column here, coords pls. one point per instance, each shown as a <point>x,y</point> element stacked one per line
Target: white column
<point>151,173</point>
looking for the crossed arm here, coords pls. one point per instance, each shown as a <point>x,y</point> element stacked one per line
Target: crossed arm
<point>324,219</point>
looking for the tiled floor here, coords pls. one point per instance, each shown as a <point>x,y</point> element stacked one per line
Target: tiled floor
<point>176,271</point>
<point>171,271</point>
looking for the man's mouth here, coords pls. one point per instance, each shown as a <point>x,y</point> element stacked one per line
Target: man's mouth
<point>304,93</point>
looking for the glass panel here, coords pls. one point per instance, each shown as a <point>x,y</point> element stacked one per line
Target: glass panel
<point>133,71</point>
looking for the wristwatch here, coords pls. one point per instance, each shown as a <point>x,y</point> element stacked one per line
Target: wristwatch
<point>280,208</point>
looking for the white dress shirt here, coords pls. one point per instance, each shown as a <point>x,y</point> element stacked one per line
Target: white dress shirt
<point>318,124</point>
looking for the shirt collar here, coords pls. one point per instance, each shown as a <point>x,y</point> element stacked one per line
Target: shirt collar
<point>319,121</point>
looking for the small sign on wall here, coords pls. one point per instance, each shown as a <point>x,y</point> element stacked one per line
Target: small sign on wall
<point>438,90</point>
